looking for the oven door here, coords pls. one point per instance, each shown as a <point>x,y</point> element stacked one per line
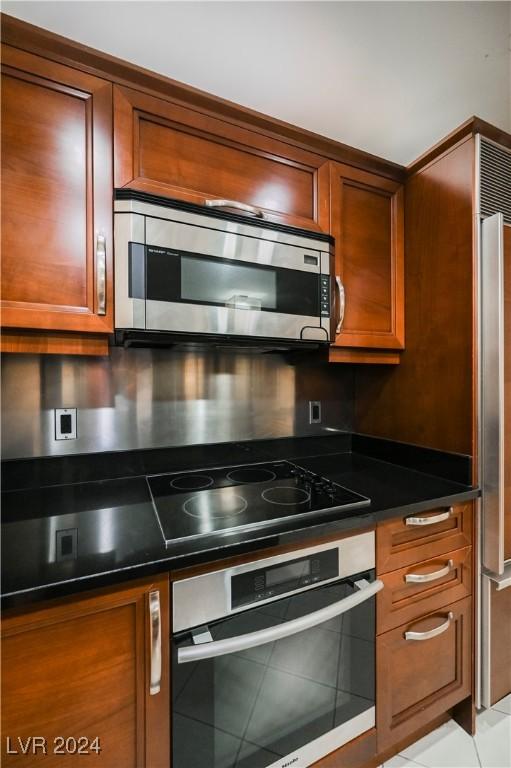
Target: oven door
<point>281,294</point>
<point>282,684</point>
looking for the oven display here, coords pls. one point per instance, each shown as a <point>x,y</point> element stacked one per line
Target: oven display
<point>288,573</point>
<point>277,580</point>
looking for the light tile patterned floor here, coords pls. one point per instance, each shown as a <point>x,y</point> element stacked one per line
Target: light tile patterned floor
<point>450,747</point>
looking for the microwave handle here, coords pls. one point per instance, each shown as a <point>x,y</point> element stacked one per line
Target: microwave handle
<point>262,636</point>
<point>235,204</point>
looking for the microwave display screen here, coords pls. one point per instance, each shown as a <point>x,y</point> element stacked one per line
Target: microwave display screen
<point>288,572</point>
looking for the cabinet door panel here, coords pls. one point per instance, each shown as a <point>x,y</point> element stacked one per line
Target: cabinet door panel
<point>56,194</point>
<point>366,219</point>
<point>167,149</point>
<point>500,643</point>
<point>420,679</point>
<point>81,669</point>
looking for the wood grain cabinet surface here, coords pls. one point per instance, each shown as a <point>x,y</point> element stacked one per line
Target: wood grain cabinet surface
<point>364,213</point>
<point>172,150</point>
<point>80,669</point>
<point>500,643</point>
<point>56,195</point>
<point>422,587</point>
<point>410,539</point>
<point>423,668</point>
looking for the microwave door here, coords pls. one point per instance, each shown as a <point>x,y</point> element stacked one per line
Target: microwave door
<point>197,293</point>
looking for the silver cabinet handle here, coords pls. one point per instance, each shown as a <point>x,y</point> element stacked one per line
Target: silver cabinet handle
<point>341,297</point>
<point>155,641</point>
<point>431,632</point>
<point>420,578</point>
<point>101,274</point>
<point>235,204</point>
<point>262,636</point>
<point>430,520</point>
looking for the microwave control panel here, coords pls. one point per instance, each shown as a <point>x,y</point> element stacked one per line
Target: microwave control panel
<point>324,289</point>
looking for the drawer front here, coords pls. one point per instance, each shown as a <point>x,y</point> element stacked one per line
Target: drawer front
<point>418,678</point>
<point>413,538</point>
<point>417,589</point>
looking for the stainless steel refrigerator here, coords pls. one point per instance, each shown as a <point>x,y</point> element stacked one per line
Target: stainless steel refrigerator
<point>494,252</point>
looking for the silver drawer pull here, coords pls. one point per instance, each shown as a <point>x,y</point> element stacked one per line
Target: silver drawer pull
<point>420,578</point>
<point>235,204</point>
<point>341,298</point>
<point>431,632</point>
<point>430,520</point>
<point>101,274</point>
<point>155,642</point>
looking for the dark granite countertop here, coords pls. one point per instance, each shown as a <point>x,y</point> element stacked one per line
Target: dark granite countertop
<point>118,536</point>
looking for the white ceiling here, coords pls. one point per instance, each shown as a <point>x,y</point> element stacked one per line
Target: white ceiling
<point>388,77</point>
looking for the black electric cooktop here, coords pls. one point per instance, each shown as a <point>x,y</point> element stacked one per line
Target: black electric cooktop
<point>204,502</point>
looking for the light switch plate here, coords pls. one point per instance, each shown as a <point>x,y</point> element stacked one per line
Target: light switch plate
<point>65,423</point>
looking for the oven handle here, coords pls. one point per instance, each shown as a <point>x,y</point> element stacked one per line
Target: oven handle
<point>253,639</point>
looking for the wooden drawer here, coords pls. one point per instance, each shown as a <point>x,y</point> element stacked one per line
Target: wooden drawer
<point>404,540</point>
<point>417,680</point>
<point>403,600</point>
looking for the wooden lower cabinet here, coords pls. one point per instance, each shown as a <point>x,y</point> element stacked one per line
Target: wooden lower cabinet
<point>419,679</point>
<point>500,643</point>
<point>410,539</point>
<point>77,675</point>
<point>446,579</point>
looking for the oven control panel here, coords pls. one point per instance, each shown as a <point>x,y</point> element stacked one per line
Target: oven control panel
<point>287,577</point>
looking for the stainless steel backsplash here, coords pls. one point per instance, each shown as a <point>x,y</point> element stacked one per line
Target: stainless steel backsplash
<point>142,398</point>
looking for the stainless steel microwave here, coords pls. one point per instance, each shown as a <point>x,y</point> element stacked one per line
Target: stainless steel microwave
<point>193,272</point>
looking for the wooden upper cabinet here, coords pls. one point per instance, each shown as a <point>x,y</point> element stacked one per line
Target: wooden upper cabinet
<point>364,212</point>
<point>77,672</point>
<point>176,151</point>
<point>56,136</point>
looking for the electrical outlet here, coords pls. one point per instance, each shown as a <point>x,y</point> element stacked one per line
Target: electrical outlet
<point>314,411</point>
<point>65,423</point>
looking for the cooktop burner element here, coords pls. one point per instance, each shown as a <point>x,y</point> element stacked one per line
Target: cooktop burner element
<point>229,499</point>
<point>286,494</point>
<point>191,482</point>
<point>217,504</point>
<point>251,475</point>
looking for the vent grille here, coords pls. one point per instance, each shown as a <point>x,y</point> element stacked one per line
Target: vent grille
<point>495,184</point>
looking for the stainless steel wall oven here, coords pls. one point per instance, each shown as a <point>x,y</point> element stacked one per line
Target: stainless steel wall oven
<point>187,270</point>
<point>274,660</point>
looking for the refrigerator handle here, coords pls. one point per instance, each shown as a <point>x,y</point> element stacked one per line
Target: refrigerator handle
<point>492,391</point>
